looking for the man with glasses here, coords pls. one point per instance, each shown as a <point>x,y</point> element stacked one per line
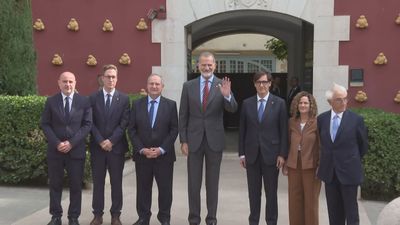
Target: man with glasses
<point>108,144</point>
<point>263,146</point>
<point>201,132</point>
<point>343,144</point>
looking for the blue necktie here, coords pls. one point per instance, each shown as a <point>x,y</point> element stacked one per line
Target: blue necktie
<point>151,112</point>
<point>108,103</point>
<point>66,108</point>
<point>261,110</point>
<point>335,126</point>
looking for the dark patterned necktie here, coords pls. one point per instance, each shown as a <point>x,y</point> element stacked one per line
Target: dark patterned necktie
<point>66,108</point>
<point>205,95</point>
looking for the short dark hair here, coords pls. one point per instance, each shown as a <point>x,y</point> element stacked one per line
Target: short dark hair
<point>259,74</point>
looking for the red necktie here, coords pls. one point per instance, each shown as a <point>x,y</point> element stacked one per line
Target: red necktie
<point>205,95</point>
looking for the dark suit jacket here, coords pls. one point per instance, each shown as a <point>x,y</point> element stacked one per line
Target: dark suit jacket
<point>111,126</point>
<point>343,156</point>
<point>163,134</point>
<point>270,137</point>
<point>57,129</point>
<point>193,122</point>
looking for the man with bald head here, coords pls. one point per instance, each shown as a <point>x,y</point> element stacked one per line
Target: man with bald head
<point>66,121</point>
<point>344,142</point>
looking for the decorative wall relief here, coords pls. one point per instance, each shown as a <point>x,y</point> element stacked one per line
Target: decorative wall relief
<point>362,22</point>
<point>247,4</point>
<point>397,97</point>
<point>141,25</point>
<point>91,60</point>
<point>380,59</point>
<point>38,25</point>
<point>397,21</point>
<point>57,60</point>
<point>73,25</point>
<point>107,26</point>
<point>361,96</point>
<point>125,59</point>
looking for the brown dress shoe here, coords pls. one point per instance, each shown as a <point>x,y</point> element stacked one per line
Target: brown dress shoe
<point>97,220</point>
<point>115,220</point>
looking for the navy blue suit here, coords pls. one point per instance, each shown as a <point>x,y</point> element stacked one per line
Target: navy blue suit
<point>163,134</point>
<point>261,143</point>
<point>110,125</point>
<point>340,165</point>
<point>75,130</point>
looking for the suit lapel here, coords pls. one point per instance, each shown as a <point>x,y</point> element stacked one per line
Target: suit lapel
<point>254,109</point>
<point>114,102</point>
<point>213,89</point>
<point>144,106</point>
<point>60,103</point>
<point>160,111</point>
<point>195,87</point>
<point>340,128</point>
<point>268,107</point>
<point>73,106</point>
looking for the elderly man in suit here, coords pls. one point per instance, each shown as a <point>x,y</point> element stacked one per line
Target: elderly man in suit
<point>66,121</point>
<point>263,146</point>
<point>108,144</point>
<point>153,129</point>
<point>201,133</point>
<point>343,144</point>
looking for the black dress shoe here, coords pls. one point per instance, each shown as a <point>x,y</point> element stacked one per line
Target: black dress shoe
<point>55,221</point>
<point>213,223</point>
<point>73,221</point>
<point>165,223</point>
<point>141,222</point>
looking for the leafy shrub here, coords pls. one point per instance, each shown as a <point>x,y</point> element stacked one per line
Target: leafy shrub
<point>382,162</point>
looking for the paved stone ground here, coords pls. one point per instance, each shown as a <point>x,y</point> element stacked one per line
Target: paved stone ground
<point>22,206</point>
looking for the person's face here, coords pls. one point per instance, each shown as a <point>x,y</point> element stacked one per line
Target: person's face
<point>262,86</point>
<point>154,86</point>
<point>67,83</point>
<point>109,79</point>
<point>304,105</point>
<point>339,102</point>
<point>206,66</point>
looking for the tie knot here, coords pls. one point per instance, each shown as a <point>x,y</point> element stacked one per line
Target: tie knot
<point>108,95</point>
<point>67,98</point>
<point>336,117</point>
<point>262,100</point>
<point>153,101</point>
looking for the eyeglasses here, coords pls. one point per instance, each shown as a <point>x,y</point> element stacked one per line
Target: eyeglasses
<point>110,77</point>
<point>263,82</point>
<point>340,100</point>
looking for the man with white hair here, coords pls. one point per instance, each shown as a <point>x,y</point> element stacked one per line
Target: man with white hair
<point>344,142</point>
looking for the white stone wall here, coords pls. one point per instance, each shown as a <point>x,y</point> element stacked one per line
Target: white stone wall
<point>328,31</point>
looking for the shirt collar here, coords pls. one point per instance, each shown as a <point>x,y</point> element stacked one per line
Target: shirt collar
<point>265,98</point>
<point>111,93</point>
<point>149,99</point>
<point>71,96</point>
<point>202,79</point>
<point>340,115</point>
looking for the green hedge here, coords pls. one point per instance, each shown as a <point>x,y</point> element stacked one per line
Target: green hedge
<point>22,142</point>
<point>382,162</point>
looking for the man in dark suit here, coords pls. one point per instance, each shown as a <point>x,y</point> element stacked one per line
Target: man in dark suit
<point>153,129</point>
<point>108,144</point>
<point>66,121</point>
<point>294,90</point>
<point>201,133</point>
<point>263,146</point>
<point>343,144</point>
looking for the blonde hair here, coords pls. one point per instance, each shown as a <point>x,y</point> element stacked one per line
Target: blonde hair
<point>109,67</point>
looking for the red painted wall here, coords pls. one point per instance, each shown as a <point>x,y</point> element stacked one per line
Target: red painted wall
<point>107,47</point>
<point>381,82</point>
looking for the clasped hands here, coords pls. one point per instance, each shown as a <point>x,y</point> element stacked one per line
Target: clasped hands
<point>64,147</point>
<point>106,145</point>
<point>151,153</point>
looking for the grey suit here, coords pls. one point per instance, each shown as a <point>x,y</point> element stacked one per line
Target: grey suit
<point>204,134</point>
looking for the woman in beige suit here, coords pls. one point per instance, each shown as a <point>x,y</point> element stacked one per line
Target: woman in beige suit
<point>303,161</point>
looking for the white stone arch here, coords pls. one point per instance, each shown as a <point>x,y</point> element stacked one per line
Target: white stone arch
<point>328,31</point>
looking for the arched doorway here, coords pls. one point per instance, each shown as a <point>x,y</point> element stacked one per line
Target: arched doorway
<point>295,32</point>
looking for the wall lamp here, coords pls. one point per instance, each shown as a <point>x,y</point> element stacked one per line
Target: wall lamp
<point>153,13</point>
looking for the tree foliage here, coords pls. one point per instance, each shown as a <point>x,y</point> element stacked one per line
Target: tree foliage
<point>278,48</point>
<point>17,56</point>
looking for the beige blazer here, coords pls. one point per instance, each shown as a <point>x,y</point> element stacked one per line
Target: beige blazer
<point>307,140</point>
